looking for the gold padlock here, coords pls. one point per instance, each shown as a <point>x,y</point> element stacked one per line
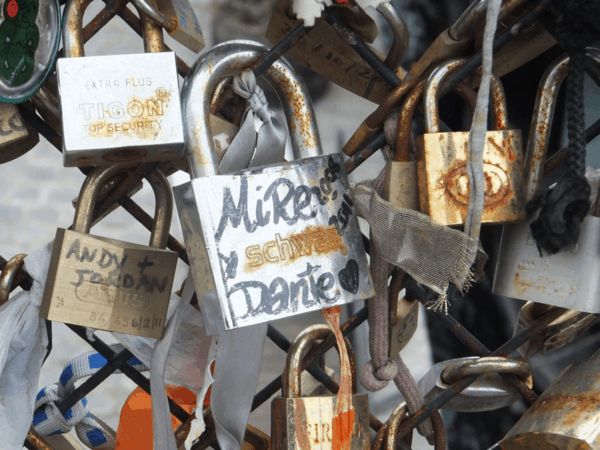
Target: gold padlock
<point>109,284</point>
<point>17,137</point>
<point>565,416</point>
<point>307,422</point>
<point>444,190</point>
<point>561,331</point>
<point>404,316</point>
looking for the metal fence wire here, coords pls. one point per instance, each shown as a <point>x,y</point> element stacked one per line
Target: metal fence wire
<point>120,189</point>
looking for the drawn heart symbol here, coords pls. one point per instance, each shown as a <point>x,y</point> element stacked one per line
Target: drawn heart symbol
<point>349,277</point>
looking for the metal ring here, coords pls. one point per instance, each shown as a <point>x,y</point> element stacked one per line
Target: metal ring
<point>486,364</point>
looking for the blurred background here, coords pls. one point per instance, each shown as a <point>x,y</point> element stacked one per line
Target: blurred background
<point>37,192</point>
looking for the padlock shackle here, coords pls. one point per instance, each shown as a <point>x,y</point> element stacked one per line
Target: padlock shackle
<point>73,28</point>
<point>457,370</point>
<point>541,121</point>
<point>152,33</point>
<point>398,414</point>
<point>291,383</point>
<point>231,58</point>
<point>163,211</point>
<point>433,89</point>
<point>7,278</point>
<point>150,9</point>
<point>407,113</point>
<point>400,30</point>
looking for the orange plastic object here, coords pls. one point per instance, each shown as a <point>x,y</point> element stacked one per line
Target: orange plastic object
<point>135,424</point>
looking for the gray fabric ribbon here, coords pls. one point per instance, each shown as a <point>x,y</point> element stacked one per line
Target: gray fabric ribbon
<point>249,148</point>
<point>239,351</point>
<point>237,366</point>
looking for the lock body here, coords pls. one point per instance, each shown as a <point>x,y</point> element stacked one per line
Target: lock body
<point>556,335</point>
<point>565,416</point>
<point>444,190</point>
<point>108,284</point>
<point>17,137</point>
<point>276,241</point>
<point>307,423</point>
<point>187,30</point>
<point>401,184</point>
<point>489,392</point>
<point>404,319</point>
<point>567,279</point>
<point>122,108</point>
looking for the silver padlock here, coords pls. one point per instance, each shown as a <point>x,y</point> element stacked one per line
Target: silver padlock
<point>490,391</point>
<point>568,279</point>
<point>566,416</point>
<point>272,241</point>
<point>119,108</point>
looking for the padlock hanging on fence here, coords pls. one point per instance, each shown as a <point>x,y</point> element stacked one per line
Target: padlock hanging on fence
<point>567,279</point>
<point>443,181</point>
<point>119,108</point>
<point>312,423</point>
<point>109,284</point>
<point>273,241</point>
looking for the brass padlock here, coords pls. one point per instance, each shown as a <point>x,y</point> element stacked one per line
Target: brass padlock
<point>17,137</point>
<point>326,53</point>
<point>403,316</point>
<point>8,275</point>
<point>443,180</point>
<point>109,284</point>
<point>565,416</point>
<point>558,333</point>
<point>118,108</point>
<point>307,422</point>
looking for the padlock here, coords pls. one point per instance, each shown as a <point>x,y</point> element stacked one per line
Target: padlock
<point>326,53</point>
<point>443,179</point>
<point>403,316</point>
<point>119,108</point>
<point>17,137</point>
<point>269,242</point>
<point>556,334</point>
<point>386,437</point>
<point>106,283</point>
<point>565,416</point>
<point>567,279</point>
<point>307,422</point>
<point>29,40</point>
<point>490,391</point>
<point>178,18</point>
<point>8,275</point>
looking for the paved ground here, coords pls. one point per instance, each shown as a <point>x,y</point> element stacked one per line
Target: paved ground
<point>36,198</point>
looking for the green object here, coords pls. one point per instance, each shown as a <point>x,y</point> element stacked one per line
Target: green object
<point>19,38</point>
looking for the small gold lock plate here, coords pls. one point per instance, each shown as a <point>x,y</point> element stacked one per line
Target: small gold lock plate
<point>444,189</point>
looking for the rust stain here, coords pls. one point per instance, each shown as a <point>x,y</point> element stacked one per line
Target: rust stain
<point>286,250</point>
<point>575,405</point>
<point>138,119</point>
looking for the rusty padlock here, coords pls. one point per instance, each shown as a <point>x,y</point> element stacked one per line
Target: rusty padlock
<point>326,53</point>
<point>109,284</point>
<point>567,279</point>
<point>17,137</point>
<point>558,333</point>
<point>271,241</point>
<point>565,416</point>
<point>443,180</point>
<point>119,108</point>
<point>307,422</point>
